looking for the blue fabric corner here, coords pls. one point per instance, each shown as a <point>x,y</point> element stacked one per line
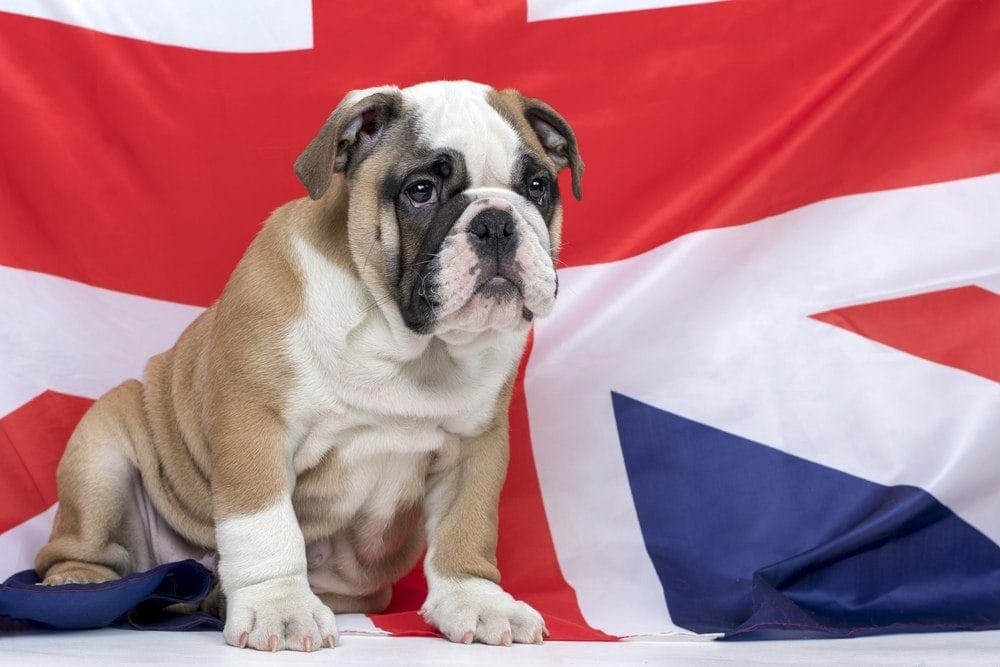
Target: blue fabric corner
<point>758,544</point>
<point>138,600</point>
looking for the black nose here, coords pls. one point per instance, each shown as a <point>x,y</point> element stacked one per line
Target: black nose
<point>493,231</point>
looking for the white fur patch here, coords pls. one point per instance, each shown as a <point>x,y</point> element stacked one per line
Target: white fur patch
<point>355,368</point>
<point>456,115</point>
<point>472,609</point>
<point>262,565</point>
<point>380,474</point>
<point>382,396</point>
<point>260,546</point>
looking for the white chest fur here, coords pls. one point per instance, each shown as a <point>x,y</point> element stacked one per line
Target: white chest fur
<point>382,397</point>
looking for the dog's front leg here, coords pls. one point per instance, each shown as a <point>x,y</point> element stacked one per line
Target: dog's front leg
<point>262,560</point>
<point>465,601</point>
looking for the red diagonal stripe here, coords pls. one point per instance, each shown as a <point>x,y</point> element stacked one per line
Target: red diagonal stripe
<point>956,327</point>
<point>32,439</point>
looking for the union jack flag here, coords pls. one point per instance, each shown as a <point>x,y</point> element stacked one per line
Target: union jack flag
<point>767,403</point>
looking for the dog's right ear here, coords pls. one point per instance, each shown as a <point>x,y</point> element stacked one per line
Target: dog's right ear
<point>347,136</point>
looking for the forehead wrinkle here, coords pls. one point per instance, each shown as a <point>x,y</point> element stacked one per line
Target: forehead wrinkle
<point>458,116</point>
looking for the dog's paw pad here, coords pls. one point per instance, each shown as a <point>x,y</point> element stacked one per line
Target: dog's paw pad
<point>479,610</point>
<point>279,615</point>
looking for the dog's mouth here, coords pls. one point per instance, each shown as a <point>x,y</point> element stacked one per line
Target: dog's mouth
<point>458,290</point>
<point>501,288</point>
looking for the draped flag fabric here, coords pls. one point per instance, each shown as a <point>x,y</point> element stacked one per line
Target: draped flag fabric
<point>768,401</point>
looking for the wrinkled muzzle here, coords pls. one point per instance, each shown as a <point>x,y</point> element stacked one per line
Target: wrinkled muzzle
<point>493,270</point>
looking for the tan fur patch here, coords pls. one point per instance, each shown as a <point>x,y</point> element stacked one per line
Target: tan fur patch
<point>509,103</point>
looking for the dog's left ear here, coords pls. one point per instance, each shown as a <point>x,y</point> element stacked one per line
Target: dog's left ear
<point>557,138</point>
<point>347,136</point>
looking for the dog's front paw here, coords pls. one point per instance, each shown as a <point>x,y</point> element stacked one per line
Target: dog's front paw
<point>279,614</point>
<point>477,609</point>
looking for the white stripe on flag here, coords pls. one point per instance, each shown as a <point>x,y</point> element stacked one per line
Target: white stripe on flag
<point>358,624</point>
<point>721,322</point>
<point>236,26</point>
<point>70,337</point>
<point>19,545</point>
<point>545,10</point>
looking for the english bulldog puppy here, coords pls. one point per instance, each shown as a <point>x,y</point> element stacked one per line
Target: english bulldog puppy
<point>344,402</point>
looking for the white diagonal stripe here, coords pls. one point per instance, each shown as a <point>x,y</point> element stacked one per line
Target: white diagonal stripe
<point>76,339</point>
<point>19,545</point>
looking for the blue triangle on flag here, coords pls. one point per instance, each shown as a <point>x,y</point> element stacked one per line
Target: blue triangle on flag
<point>756,543</point>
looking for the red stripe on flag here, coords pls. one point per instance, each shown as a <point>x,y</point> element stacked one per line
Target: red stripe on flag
<point>146,169</point>
<point>955,327</point>
<point>32,439</point>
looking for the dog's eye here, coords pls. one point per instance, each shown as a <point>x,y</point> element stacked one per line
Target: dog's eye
<point>538,188</point>
<point>422,193</point>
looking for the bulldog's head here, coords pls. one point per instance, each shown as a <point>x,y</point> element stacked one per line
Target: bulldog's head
<point>454,212</point>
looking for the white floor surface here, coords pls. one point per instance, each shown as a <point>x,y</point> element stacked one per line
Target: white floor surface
<point>108,647</point>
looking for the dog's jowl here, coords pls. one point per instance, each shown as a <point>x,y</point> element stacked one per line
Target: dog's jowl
<point>344,402</point>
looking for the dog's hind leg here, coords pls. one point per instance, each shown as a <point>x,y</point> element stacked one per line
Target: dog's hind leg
<point>95,478</point>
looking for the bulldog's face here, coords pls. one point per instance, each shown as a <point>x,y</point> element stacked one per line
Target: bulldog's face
<point>454,210</point>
